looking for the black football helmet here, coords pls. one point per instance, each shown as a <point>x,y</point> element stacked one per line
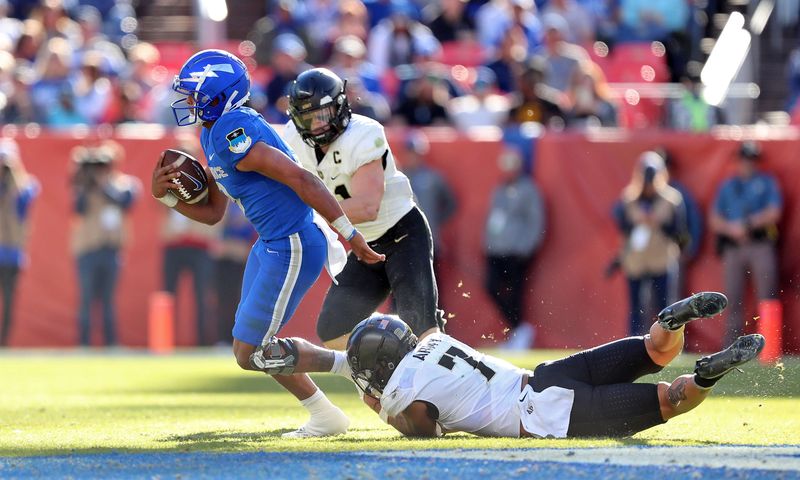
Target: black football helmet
<point>319,94</point>
<point>375,348</point>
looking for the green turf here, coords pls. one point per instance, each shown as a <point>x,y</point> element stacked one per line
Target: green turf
<point>56,403</point>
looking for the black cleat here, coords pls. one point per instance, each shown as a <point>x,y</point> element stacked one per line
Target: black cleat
<point>741,351</point>
<point>699,305</point>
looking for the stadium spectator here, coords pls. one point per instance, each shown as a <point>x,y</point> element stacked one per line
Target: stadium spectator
<point>495,18</point>
<point>18,106</point>
<point>230,257</point>
<point>449,20</point>
<point>10,27</point>
<point>745,218</point>
<point>288,61</point>
<point>563,60</point>
<point>515,227</point>
<point>579,22</point>
<point>591,104</point>
<point>369,104</point>
<point>142,84</point>
<point>17,192</point>
<point>56,22</point>
<point>423,101</point>
<point>94,92</point>
<point>348,61</point>
<point>351,21</point>
<point>691,112</point>
<point>286,18</point>
<point>187,250</point>
<point>437,385</point>
<point>536,102</point>
<point>396,40</point>
<point>320,24</point>
<point>508,60</point>
<point>103,196</point>
<point>111,59</point>
<point>649,217</point>
<point>483,107</point>
<point>30,41</point>
<point>52,92</point>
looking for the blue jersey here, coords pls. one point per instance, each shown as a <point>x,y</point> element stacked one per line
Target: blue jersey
<point>273,208</point>
<point>738,197</point>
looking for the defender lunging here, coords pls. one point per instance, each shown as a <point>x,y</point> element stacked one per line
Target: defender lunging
<point>438,384</point>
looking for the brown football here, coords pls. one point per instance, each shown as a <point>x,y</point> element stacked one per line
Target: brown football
<point>193,182</point>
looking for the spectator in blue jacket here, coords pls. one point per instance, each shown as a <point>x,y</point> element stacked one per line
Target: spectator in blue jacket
<point>745,218</point>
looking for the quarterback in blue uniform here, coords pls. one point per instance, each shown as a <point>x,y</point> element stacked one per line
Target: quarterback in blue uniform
<point>250,164</point>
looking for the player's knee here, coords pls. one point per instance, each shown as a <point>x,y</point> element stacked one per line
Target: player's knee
<point>243,360</point>
<point>667,407</point>
<point>279,357</point>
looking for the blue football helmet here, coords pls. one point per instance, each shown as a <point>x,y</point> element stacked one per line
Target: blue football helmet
<point>214,82</point>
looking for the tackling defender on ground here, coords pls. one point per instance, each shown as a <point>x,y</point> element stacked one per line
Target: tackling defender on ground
<point>439,385</point>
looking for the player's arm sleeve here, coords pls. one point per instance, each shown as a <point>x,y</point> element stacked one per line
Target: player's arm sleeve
<point>234,135</point>
<point>371,145</point>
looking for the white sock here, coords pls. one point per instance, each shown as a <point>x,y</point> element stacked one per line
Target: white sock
<point>326,418</point>
<point>340,365</point>
<point>317,403</point>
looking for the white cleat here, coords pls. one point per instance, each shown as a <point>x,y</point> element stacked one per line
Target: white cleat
<point>333,422</point>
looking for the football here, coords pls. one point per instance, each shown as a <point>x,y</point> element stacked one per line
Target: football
<point>192,181</point>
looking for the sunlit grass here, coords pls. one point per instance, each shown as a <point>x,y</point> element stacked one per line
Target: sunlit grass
<point>56,403</point>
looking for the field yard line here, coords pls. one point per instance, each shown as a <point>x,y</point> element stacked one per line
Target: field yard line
<point>784,458</point>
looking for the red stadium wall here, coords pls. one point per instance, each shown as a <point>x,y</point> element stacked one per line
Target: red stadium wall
<point>569,300</point>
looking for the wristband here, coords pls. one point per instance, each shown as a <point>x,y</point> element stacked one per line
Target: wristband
<point>344,227</point>
<point>168,200</point>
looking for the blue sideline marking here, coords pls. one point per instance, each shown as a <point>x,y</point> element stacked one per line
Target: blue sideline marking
<point>355,465</point>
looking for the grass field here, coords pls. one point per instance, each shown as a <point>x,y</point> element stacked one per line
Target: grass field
<point>56,403</point>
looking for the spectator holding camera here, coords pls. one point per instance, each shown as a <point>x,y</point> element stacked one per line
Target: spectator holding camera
<point>744,218</point>
<point>17,191</point>
<point>103,196</point>
<point>650,217</point>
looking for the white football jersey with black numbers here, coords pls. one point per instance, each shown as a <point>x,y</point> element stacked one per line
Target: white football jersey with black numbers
<point>473,392</point>
<point>363,141</point>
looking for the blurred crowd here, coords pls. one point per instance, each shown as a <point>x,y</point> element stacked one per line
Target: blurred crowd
<point>465,63</point>
<point>459,63</point>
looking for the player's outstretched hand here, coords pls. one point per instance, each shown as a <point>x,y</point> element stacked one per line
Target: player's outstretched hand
<point>161,182</point>
<point>363,252</point>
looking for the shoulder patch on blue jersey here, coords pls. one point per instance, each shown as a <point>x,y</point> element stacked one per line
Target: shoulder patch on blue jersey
<point>238,141</point>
